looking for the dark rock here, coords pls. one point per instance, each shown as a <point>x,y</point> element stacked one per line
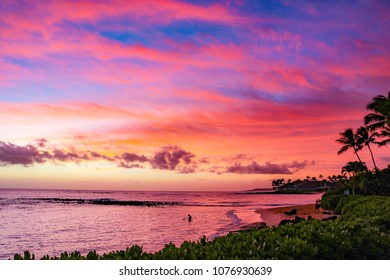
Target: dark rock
<point>257,225</point>
<point>332,218</point>
<point>296,220</point>
<point>284,222</point>
<point>260,225</point>
<point>292,212</point>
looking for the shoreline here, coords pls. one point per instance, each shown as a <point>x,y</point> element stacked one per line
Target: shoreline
<point>270,217</point>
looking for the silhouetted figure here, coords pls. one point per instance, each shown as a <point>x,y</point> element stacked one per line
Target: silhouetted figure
<point>318,205</point>
<point>189,218</point>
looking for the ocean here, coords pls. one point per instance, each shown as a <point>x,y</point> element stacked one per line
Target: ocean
<point>53,221</point>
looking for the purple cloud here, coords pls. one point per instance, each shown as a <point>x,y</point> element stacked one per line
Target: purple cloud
<point>131,157</point>
<point>96,156</point>
<point>41,143</point>
<point>255,168</point>
<point>297,165</point>
<point>187,169</point>
<point>25,155</point>
<point>217,169</point>
<point>169,157</point>
<point>237,157</point>
<point>204,160</point>
<point>28,155</point>
<point>127,160</point>
<point>129,165</point>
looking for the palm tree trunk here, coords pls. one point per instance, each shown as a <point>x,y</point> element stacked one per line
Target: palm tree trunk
<point>357,155</point>
<point>372,156</point>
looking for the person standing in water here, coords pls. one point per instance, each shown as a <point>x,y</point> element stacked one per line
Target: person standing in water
<point>189,218</point>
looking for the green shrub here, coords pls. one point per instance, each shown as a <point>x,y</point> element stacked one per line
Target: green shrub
<point>351,200</point>
<point>330,199</point>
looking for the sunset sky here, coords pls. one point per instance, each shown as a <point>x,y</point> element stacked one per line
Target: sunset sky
<point>185,95</point>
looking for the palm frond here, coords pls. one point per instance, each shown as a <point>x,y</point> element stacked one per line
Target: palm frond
<point>372,117</point>
<point>380,104</point>
<point>383,143</point>
<point>343,149</point>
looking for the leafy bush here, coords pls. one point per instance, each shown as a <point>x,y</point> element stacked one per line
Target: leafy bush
<point>351,200</point>
<point>330,199</point>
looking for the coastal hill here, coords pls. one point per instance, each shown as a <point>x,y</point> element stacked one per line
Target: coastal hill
<point>305,186</point>
<point>297,186</point>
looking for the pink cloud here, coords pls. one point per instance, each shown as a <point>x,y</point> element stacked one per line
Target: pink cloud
<point>162,11</point>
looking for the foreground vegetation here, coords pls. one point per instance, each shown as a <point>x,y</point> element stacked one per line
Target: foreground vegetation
<point>362,232</point>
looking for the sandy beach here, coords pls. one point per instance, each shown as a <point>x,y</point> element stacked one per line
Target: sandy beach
<point>273,216</point>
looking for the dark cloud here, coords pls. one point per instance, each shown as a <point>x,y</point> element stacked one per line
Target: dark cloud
<point>131,157</point>
<point>187,169</point>
<point>238,157</point>
<point>28,155</point>
<point>255,168</point>
<point>169,158</point>
<point>97,156</point>
<point>127,160</point>
<point>298,165</point>
<point>267,168</point>
<point>25,155</point>
<point>59,155</point>
<point>129,165</point>
<point>215,169</point>
<point>41,143</point>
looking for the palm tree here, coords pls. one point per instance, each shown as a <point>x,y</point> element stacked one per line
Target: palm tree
<point>380,117</point>
<point>364,138</point>
<point>332,179</point>
<point>354,167</point>
<point>277,183</point>
<point>349,140</point>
